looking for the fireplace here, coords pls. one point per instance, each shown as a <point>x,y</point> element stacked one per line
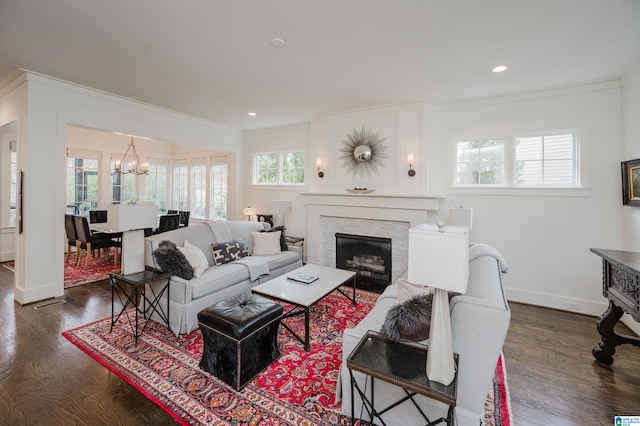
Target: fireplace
<point>369,257</point>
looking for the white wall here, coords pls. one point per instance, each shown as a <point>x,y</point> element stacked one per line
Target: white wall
<point>630,151</point>
<point>259,196</point>
<point>51,105</point>
<point>545,235</point>
<point>403,126</point>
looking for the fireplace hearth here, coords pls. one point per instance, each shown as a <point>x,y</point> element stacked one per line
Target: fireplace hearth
<point>369,257</point>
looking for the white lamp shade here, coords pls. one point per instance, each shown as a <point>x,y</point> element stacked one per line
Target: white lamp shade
<point>439,259</point>
<point>279,207</point>
<point>248,211</point>
<point>124,217</point>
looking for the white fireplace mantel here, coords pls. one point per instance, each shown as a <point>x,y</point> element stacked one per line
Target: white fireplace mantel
<point>412,210</point>
<point>405,202</point>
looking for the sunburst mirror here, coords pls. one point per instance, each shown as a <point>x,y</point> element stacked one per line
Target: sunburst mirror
<point>363,151</point>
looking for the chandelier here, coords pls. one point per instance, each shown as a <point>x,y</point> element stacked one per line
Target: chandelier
<point>124,167</point>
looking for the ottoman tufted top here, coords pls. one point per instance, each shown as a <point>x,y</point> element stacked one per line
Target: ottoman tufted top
<point>240,315</point>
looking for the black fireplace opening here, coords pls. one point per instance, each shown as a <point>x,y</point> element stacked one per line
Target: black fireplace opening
<point>369,257</point>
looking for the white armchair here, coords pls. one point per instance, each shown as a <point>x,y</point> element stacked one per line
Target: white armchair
<point>479,323</point>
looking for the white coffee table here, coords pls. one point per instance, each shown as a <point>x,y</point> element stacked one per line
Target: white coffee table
<point>303,296</point>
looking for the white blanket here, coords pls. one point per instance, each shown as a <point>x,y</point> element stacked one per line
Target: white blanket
<point>257,267</point>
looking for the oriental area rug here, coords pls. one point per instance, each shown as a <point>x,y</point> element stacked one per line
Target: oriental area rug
<point>98,270</point>
<point>297,389</point>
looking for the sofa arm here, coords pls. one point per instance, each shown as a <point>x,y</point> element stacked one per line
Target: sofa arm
<point>296,249</point>
<point>478,328</point>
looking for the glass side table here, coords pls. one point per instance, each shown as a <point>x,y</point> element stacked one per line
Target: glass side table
<point>132,289</point>
<point>401,364</point>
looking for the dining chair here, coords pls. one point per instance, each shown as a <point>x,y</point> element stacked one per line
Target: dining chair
<point>168,222</point>
<point>87,241</point>
<point>70,229</point>
<point>184,218</point>
<point>172,211</point>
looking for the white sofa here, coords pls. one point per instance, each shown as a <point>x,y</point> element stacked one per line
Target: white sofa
<point>479,323</point>
<point>188,297</point>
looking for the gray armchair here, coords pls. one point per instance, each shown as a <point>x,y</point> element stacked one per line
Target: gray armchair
<point>479,323</point>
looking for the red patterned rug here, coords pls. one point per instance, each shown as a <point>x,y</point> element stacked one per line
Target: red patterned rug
<point>297,389</point>
<point>98,270</point>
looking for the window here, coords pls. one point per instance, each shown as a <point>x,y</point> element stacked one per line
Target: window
<point>157,181</point>
<point>284,168</point>
<point>82,182</point>
<point>480,162</point>
<point>266,169</point>
<point>218,189</point>
<point>123,187</point>
<point>198,189</point>
<point>545,160</point>
<point>292,167</point>
<point>538,160</point>
<point>180,187</point>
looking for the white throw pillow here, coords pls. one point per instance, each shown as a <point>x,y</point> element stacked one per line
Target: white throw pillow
<point>266,243</point>
<point>196,258</point>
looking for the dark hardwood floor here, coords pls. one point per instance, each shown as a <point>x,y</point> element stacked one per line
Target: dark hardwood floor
<point>46,380</point>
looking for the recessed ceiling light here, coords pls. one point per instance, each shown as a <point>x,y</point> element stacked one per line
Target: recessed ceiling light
<point>252,114</point>
<point>499,68</point>
<point>277,42</point>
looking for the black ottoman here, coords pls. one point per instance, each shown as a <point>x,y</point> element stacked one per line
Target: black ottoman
<point>240,337</point>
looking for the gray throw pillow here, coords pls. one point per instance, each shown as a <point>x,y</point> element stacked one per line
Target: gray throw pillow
<point>170,259</point>
<point>409,320</point>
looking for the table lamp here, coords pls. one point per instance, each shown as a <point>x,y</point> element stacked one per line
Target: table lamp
<point>278,209</point>
<point>439,258</point>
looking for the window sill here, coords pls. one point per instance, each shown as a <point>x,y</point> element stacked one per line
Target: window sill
<point>524,191</point>
<point>282,187</point>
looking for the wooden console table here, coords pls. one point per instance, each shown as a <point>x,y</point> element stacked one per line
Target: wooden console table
<point>621,285</point>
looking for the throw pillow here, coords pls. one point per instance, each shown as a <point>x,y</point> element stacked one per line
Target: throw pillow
<point>283,242</point>
<point>266,243</point>
<point>229,251</point>
<point>409,320</point>
<point>196,258</point>
<point>170,259</point>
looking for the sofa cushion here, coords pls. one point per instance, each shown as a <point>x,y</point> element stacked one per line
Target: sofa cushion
<point>217,278</point>
<point>266,243</point>
<point>229,251</point>
<point>170,259</point>
<point>285,258</point>
<point>196,258</point>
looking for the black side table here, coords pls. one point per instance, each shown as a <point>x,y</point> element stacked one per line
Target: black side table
<point>401,364</point>
<point>131,289</point>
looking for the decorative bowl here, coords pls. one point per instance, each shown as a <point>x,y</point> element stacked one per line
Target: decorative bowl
<point>360,190</point>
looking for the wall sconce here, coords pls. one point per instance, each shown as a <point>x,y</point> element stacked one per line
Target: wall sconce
<point>412,172</point>
<point>318,164</point>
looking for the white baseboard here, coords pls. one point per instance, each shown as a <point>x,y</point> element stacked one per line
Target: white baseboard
<point>580,306</point>
<point>7,256</point>
<point>586,307</point>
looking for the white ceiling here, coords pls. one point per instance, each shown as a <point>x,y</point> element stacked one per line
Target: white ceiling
<point>213,59</point>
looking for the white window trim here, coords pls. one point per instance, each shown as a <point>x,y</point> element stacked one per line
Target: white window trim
<point>581,188</point>
<point>279,184</point>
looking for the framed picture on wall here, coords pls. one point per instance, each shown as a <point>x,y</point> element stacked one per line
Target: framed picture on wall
<point>631,182</point>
